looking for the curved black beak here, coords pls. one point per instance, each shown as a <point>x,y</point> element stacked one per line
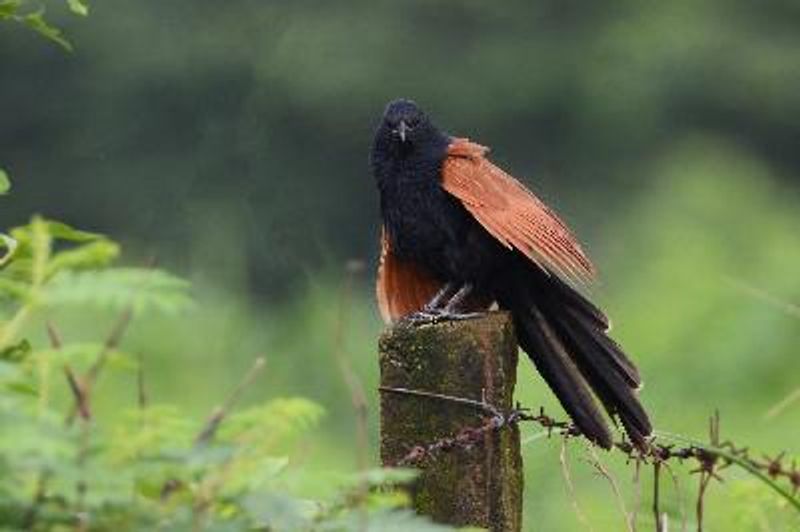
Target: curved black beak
<point>402,129</point>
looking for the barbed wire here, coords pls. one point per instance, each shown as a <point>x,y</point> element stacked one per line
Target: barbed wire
<point>710,459</point>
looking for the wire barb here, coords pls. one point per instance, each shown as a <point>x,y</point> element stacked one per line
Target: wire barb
<point>709,458</point>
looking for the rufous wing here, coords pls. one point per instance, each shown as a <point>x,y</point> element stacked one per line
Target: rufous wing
<point>402,288</point>
<point>512,213</point>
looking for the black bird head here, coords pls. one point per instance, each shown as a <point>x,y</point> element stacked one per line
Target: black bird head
<point>405,129</point>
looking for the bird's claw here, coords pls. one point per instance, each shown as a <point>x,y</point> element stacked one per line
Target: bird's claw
<point>422,317</point>
<point>431,316</point>
<point>460,316</point>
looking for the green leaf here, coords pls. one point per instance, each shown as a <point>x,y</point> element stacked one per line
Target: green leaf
<point>92,255</point>
<point>82,355</point>
<point>32,246</point>
<point>11,247</point>
<point>22,388</point>
<point>158,432</point>
<point>37,23</point>
<point>13,289</point>
<point>5,182</point>
<point>78,7</point>
<point>17,352</point>
<point>63,231</point>
<point>8,8</point>
<point>57,230</point>
<point>117,360</point>
<point>119,288</point>
<point>276,420</point>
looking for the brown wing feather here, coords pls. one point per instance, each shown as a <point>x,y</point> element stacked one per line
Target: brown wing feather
<point>512,213</point>
<point>402,287</point>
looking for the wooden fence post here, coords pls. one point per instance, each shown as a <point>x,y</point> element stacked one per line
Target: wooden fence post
<point>478,485</point>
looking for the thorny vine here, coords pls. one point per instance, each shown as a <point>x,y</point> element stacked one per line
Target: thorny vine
<point>710,458</point>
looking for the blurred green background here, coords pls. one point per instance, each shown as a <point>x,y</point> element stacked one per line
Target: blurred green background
<point>230,141</point>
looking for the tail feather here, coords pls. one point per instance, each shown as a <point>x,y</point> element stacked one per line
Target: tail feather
<point>566,337</point>
<point>579,304</point>
<point>613,386</point>
<point>597,324</point>
<point>540,341</point>
<point>610,349</point>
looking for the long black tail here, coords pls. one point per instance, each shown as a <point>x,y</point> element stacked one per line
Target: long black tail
<point>566,337</point>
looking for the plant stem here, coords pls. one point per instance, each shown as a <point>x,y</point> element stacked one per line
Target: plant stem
<point>739,461</point>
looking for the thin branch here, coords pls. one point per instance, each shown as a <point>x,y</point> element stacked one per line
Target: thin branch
<point>111,343</point>
<point>141,389</point>
<point>219,413</point>
<point>573,497</point>
<point>82,485</point>
<point>783,404</point>
<point>81,407</point>
<point>81,403</point>
<point>705,478</point>
<point>637,501</point>
<point>78,394</point>
<point>52,334</point>
<point>209,487</point>
<point>206,492</point>
<point>788,308</point>
<point>656,497</point>
<point>595,462</point>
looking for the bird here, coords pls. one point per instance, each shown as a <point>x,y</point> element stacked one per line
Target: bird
<point>461,236</point>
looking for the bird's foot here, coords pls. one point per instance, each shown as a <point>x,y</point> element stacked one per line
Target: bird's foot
<point>431,316</point>
<point>435,312</point>
<point>460,316</point>
<point>423,317</point>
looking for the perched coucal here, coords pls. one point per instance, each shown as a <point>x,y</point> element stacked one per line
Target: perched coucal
<point>460,234</point>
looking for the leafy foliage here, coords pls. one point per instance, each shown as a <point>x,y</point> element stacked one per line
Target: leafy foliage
<point>31,14</point>
<point>5,183</point>
<point>148,470</point>
<point>151,466</point>
<point>50,265</point>
<point>79,7</point>
<point>140,289</point>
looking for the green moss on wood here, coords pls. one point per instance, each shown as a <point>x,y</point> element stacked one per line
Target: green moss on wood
<point>480,486</point>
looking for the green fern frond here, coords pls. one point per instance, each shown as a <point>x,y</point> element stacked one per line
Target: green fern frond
<point>119,288</point>
<point>159,432</point>
<point>272,422</point>
<point>96,254</point>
